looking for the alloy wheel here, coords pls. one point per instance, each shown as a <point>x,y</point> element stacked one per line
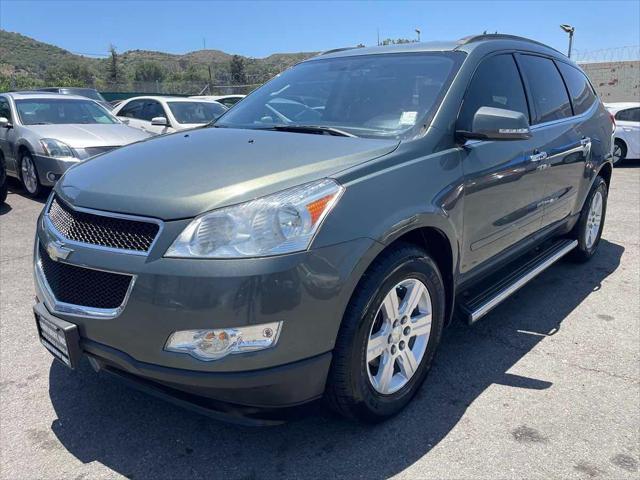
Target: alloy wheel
<point>594,219</point>
<point>29,177</point>
<point>617,153</point>
<point>399,336</point>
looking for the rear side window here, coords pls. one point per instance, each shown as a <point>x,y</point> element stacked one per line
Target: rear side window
<point>496,83</point>
<point>132,109</point>
<point>629,115</point>
<point>550,98</point>
<point>581,92</point>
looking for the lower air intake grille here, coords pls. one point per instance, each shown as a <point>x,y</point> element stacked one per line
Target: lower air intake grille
<point>84,286</point>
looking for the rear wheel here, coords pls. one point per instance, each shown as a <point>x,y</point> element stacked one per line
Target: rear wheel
<point>619,151</point>
<point>388,337</point>
<point>588,230</point>
<point>3,180</point>
<point>29,175</point>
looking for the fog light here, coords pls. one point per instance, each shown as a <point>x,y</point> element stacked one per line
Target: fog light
<point>53,177</point>
<point>217,343</point>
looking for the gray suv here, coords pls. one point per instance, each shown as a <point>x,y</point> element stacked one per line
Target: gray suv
<point>316,239</point>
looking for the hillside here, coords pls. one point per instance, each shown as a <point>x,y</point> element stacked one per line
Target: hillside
<point>26,63</point>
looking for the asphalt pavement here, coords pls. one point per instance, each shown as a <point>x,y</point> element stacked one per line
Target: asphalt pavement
<point>545,386</point>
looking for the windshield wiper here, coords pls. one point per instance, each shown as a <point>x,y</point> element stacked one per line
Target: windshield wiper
<point>308,129</point>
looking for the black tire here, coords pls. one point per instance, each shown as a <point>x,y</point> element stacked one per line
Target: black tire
<point>623,151</point>
<point>26,156</point>
<point>4,189</point>
<point>3,181</point>
<point>584,251</point>
<point>349,391</point>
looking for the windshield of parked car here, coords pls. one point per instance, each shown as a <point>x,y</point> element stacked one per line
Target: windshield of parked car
<point>384,95</point>
<point>45,111</point>
<point>196,112</point>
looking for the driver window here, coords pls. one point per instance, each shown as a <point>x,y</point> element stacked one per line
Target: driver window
<point>496,83</point>
<point>5,110</point>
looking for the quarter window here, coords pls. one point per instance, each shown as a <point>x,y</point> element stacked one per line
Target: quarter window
<point>550,98</point>
<point>496,83</point>
<point>582,94</point>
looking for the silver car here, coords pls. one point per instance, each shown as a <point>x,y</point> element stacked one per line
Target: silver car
<point>43,134</point>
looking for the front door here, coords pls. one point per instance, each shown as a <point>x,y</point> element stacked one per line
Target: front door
<point>504,188</point>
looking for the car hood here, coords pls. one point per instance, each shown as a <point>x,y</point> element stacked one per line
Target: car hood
<point>187,173</point>
<point>90,135</point>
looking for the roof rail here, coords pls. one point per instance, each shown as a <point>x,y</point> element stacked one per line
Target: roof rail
<point>501,36</point>
<point>335,50</point>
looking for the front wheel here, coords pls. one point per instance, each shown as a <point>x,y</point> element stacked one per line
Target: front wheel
<point>588,230</point>
<point>29,175</point>
<point>388,337</point>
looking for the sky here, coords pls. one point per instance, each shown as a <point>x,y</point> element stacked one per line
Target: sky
<point>258,29</point>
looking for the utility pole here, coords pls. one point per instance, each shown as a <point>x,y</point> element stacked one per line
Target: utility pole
<point>418,32</point>
<point>378,31</point>
<point>204,43</point>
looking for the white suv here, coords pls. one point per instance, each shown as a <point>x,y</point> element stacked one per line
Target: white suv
<point>627,134</point>
<point>158,115</point>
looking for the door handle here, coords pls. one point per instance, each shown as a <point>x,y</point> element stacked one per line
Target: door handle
<point>538,156</point>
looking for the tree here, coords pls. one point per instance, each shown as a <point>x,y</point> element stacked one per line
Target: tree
<point>237,70</point>
<point>149,71</point>
<point>70,74</point>
<point>113,68</point>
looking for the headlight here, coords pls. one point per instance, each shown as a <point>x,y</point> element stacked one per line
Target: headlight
<point>217,343</point>
<point>56,148</point>
<point>281,223</point>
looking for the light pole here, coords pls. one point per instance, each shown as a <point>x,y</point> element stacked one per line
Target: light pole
<point>418,32</point>
<point>569,29</point>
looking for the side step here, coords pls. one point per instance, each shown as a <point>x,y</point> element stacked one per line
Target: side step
<point>476,302</point>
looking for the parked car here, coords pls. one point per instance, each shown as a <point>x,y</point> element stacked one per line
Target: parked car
<point>91,93</point>
<point>627,135</point>
<point>159,115</point>
<point>273,261</point>
<point>226,100</point>
<point>43,134</point>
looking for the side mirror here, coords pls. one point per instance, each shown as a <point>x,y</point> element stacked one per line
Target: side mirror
<point>491,123</point>
<point>160,121</point>
<point>5,123</point>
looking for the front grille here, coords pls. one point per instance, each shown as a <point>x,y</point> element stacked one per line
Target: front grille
<point>92,151</point>
<point>83,286</point>
<point>101,230</point>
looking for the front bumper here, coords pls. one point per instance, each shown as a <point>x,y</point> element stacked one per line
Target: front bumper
<point>51,169</point>
<point>307,291</point>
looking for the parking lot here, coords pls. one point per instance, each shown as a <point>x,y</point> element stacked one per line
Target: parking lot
<point>547,385</point>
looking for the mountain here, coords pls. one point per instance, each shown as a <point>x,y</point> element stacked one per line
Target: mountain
<point>26,63</point>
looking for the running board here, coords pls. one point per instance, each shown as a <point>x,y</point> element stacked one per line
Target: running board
<point>478,301</point>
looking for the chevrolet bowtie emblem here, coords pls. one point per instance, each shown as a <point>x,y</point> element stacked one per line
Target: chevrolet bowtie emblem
<point>57,251</point>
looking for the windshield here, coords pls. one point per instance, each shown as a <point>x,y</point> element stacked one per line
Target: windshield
<point>45,111</point>
<point>370,95</point>
<point>196,112</point>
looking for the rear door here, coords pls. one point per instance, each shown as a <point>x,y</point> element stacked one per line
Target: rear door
<point>503,187</point>
<point>560,144</point>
